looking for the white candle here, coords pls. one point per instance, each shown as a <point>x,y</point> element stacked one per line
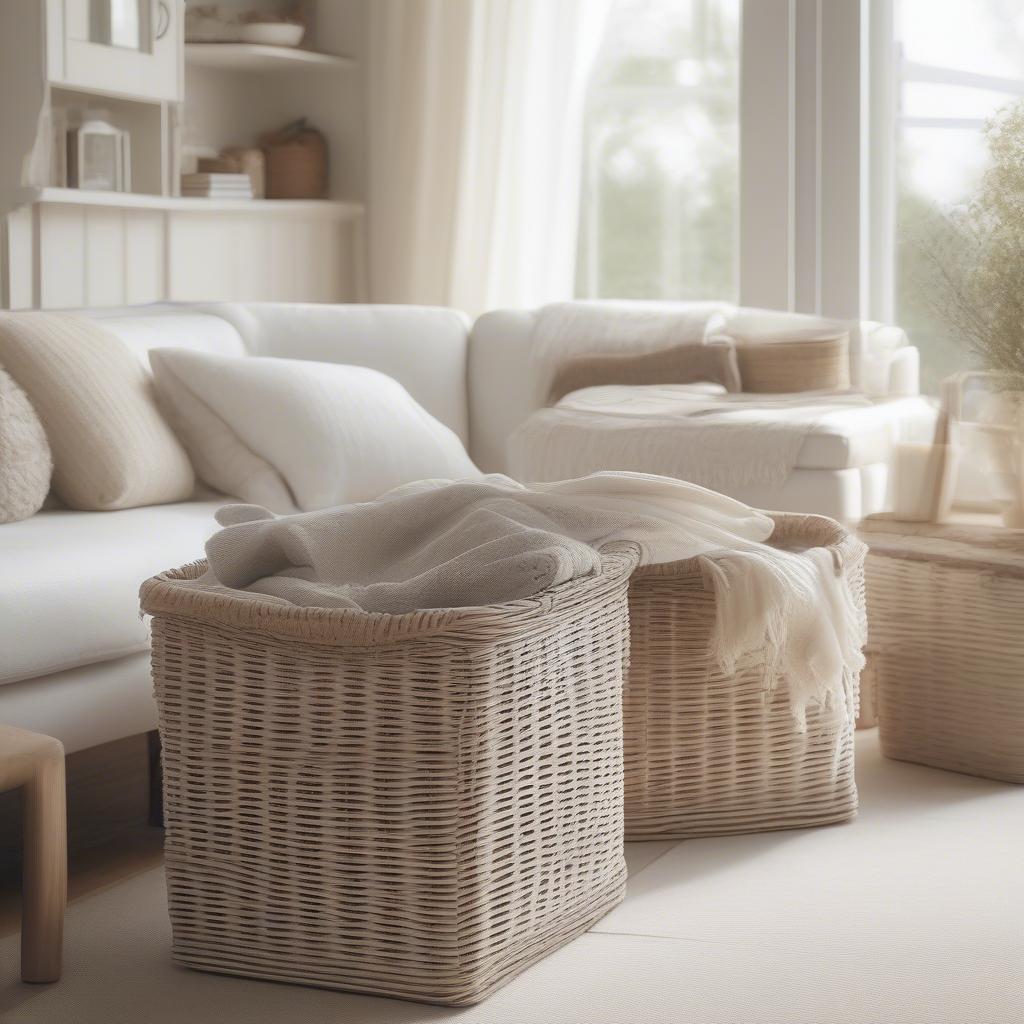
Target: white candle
<point>918,474</point>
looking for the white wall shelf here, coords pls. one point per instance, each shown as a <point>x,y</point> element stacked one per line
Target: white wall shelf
<point>73,248</point>
<point>257,57</point>
<point>136,200</point>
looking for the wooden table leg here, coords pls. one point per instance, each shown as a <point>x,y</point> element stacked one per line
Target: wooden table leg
<point>45,867</point>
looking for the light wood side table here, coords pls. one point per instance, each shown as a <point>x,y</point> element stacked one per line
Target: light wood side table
<point>35,763</point>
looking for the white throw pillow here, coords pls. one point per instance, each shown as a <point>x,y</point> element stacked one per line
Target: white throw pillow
<point>295,435</point>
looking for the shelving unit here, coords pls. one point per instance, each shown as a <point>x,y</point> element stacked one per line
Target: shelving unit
<point>256,57</point>
<point>137,201</point>
<point>64,247</point>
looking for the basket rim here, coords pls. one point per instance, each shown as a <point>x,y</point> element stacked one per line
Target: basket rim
<point>167,595</point>
<point>991,551</point>
<point>819,531</point>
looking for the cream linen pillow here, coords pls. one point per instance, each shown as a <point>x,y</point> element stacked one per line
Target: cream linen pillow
<point>777,353</point>
<point>25,463</point>
<point>294,435</point>
<point>111,448</point>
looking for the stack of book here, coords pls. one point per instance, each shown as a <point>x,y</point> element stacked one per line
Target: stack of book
<point>216,185</point>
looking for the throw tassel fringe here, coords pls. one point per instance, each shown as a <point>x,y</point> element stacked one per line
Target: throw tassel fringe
<point>796,612</point>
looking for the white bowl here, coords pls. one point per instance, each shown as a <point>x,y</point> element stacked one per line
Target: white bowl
<point>273,33</point>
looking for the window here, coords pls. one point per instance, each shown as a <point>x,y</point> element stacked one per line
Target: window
<point>661,154</point>
<point>836,221</point>
<point>957,64</point>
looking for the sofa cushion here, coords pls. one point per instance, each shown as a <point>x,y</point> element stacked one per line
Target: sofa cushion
<point>723,442</point>
<point>422,347</point>
<point>177,328</point>
<point>846,438</point>
<point>295,435</point>
<point>25,462</point>
<point>70,583</point>
<point>787,352</point>
<point>111,447</point>
<point>714,363</point>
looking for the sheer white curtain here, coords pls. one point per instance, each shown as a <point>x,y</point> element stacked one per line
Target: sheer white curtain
<point>476,111</point>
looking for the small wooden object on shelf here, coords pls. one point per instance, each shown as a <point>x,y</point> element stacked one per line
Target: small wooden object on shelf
<point>296,162</point>
<point>35,764</point>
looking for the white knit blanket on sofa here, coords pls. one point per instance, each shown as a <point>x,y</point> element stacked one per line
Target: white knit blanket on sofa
<point>722,441</point>
<point>438,544</point>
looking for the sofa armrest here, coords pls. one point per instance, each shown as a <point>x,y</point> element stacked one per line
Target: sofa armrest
<point>905,372</point>
<point>889,364</point>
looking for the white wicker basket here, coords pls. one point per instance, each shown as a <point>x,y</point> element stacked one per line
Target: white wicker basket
<point>711,753</point>
<point>946,639</point>
<point>415,805</point>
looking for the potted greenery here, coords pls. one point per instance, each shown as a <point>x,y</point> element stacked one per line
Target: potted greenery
<point>981,267</point>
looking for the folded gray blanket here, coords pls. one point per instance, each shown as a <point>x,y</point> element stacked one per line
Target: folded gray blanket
<point>439,544</point>
<point>443,544</point>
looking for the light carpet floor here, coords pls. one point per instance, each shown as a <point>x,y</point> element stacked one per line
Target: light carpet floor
<point>912,913</point>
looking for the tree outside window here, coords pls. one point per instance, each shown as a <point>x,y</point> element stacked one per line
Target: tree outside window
<point>659,207</point>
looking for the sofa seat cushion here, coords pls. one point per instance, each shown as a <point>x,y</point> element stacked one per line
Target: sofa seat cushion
<point>69,592</point>
<point>848,438</point>
<point>723,442</point>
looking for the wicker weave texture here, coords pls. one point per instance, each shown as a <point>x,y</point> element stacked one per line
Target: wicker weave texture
<point>781,366</point>
<point>709,753</point>
<point>418,805</point>
<point>947,643</point>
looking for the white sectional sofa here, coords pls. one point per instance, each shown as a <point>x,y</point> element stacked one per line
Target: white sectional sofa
<point>842,468</point>
<point>73,651</point>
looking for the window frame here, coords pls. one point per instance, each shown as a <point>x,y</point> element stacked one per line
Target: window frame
<point>888,70</point>
<point>801,153</point>
<point>819,123</point>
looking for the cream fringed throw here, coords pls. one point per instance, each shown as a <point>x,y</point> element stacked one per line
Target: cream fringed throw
<point>438,544</point>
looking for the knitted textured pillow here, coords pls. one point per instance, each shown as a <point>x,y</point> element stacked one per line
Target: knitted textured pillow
<point>25,464</point>
<point>111,447</point>
<point>779,352</point>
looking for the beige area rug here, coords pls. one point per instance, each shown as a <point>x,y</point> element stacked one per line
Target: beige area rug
<point>912,914</point>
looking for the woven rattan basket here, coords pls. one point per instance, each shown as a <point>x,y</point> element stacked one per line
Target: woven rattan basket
<point>416,805</point>
<point>946,637</point>
<point>296,163</point>
<point>709,753</point>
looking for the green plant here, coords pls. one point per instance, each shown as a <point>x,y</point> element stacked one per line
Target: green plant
<point>979,256</point>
